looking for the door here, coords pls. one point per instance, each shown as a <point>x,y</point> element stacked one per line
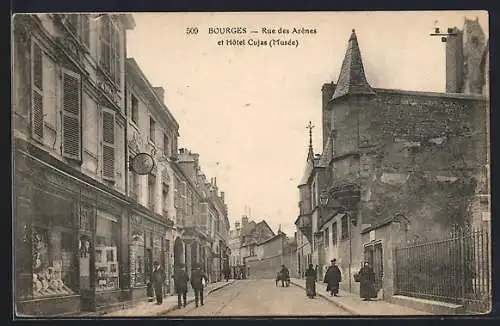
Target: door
<point>374,255</point>
<point>148,264</point>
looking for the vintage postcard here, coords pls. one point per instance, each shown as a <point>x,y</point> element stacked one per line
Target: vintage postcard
<point>251,164</point>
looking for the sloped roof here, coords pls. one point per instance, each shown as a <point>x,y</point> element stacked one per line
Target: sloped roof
<point>352,79</point>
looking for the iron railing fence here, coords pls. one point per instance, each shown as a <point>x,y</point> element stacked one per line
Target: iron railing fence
<point>456,269</point>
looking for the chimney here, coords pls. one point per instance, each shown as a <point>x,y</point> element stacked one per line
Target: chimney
<point>222,196</point>
<point>160,92</point>
<point>454,62</point>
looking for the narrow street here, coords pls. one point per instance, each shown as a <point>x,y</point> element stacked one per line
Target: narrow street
<point>259,298</point>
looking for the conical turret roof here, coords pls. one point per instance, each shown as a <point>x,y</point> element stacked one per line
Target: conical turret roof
<point>352,79</point>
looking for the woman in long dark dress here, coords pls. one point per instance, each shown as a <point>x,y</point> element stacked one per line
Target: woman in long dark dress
<point>367,282</point>
<point>311,281</point>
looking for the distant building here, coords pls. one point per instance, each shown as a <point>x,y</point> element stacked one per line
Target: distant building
<point>201,218</point>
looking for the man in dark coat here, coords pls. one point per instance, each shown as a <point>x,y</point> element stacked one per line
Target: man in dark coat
<point>157,280</point>
<point>366,278</point>
<point>285,275</point>
<point>197,276</point>
<point>181,280</point>
<point>333,277</point>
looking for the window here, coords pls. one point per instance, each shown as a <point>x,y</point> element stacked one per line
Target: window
<point>166,145</point>
<point>345,227</point>
<point>79,25</point>
<point>165,200</point>
<point>54,267</point>
<point>327,237</point>
<point>189,203</point>
<point>109,39</point>
<point>334,233</point>
<point>133,184</point>
<point>71,115</point>
<point>152,130</point>
<point>106,253</point>
<point>108,145</point>
<point>134,107</point>
<point>151,191</point>
<point>252,251</point>
<point>37,110</point>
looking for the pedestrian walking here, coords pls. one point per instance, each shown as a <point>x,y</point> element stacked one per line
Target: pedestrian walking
<point>285,276</point>
<point>333,277</point>
<point>197,278</point>
<point>157,280</point>
<point>181,280</point>
<point>366,278</point>
<point>311,277</point>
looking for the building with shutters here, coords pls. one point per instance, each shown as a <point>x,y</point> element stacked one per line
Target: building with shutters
<point>152,129</point>
<point>70,173</point>
<point>201,218</point>
<point>416,159</point>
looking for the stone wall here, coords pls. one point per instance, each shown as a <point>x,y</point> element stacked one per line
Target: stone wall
<point>419,154</point>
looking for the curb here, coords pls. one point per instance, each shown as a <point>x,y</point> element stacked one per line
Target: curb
<point>174,307</point>
<point>337,303</point>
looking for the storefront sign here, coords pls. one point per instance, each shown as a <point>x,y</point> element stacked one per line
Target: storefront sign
<point>142,164</point>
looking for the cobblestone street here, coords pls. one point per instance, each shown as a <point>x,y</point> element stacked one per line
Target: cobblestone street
<point>260,298</point>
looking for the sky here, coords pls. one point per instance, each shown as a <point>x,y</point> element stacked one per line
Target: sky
<point>244,109</point>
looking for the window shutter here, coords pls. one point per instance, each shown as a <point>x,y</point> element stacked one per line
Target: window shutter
<point>116,55</point>
<point>71,115</point>
<point>105,43</point>
<point>85,20</point>
<point>36,91</point>
<point>108,145</point>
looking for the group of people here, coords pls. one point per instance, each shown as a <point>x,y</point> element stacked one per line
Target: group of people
<point>333,276</point>
<point>181,279</point>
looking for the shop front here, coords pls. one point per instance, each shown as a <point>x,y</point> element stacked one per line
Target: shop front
<point>67,239</point>
<point>147,244</point>
<point>46,249</point>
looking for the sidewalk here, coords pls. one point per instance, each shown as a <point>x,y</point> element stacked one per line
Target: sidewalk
<point>354,304</point>
<point>169,303</point>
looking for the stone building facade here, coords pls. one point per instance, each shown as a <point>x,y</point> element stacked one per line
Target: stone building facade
<point>201,218</point>
<point>69,122</point>
<point>86,227</point>
<point>151,129</point>
<point>387,153</point>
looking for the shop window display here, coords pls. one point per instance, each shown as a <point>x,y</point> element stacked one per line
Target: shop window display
<point>137,259</point>
<point>54,265</point>
<point>106,254</point>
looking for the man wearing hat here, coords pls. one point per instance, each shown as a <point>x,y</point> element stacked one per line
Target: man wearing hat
<point>333,277</point>
<point>181,280</point>
<point>157,279</point>
<point>197,277</point>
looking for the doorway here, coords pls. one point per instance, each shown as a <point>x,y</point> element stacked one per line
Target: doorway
<point>148,264</point>
<point>374,255</point>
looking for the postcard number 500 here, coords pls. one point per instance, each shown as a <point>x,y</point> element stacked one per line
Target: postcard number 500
<point>192,30</point>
